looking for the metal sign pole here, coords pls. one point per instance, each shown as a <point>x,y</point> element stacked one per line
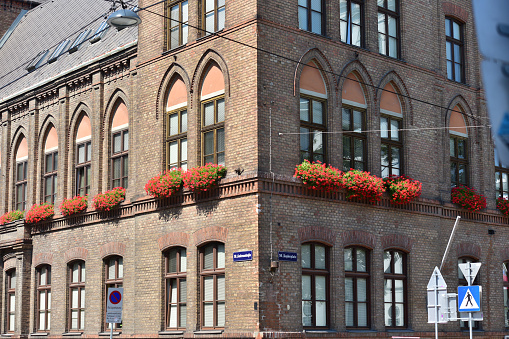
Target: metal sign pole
<point>111,330</point>
<point>469,313</point>
<point>436,305</point>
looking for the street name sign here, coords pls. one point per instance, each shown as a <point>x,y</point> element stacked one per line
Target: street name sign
<point>287,256</point>
<point>243,256</point>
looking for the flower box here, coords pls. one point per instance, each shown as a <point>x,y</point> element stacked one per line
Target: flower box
<point>203,178</point>
<point>318,176</point>
<point>503,205</point>
<point>402,189</point>
<point>363,185</point>
<point>11,216</point>
<point>39,212</point>
<point>468,198</point>
<point>165,184</point>
<point>74,205</point>
<point>108,200</point>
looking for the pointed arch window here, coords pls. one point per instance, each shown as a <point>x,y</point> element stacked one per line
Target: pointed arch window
<point>391,120</point>
<point>120,147</point>
<point>353,123</point>
<point>21,175</point>
<point>50,166</point>
<point>83,156</point>
<point>313,117</point>
<point>213,117</point>
<point>176,125</point>
<point>458,148</point>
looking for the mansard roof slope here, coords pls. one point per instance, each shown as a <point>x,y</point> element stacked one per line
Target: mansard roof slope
<point>44,28</point>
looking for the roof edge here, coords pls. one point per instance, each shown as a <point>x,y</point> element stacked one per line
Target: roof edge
<point>70,70</point>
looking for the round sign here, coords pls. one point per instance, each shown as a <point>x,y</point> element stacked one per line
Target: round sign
<point>115,297</point>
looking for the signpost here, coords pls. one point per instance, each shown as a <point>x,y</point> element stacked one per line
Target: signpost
<point>114,307</point>
<point>469,297</point>
<point>436,286</point>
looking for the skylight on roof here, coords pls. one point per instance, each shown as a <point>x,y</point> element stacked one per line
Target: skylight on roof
<point>37,61</point>
<point>59,50</point>
<point>79,40</point>
<point>98,35</point>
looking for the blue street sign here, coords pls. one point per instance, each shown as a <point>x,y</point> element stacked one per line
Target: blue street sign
<point>469,298</point>
<point>287,256</point>
<point>243,256</point>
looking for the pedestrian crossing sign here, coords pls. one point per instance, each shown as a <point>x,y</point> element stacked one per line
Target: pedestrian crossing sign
<point>469,298</point>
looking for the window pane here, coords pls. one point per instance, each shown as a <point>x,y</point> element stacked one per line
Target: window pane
<point>349,289</point>
<point>209,5</point>
<point>183,290</point>
<point>361,290</point>
<point>42,321</point>
<point>319,257</point>
<point>318,112</point>
<point>183,315</point>
<point>220,256</point>
<point>317,142</point>
<point>343,29</point>
<point>220,110</point>
<point>44,275</point>
<point>12,302</point>
<point>111,269</point>
<point>454,179</point>
<point>381,44</point>
<point>357,121</point>
<point>208,113</point>
<point>321,313</point>
<point>220,140</point>
<point>208,309</point>
<point>89,151</point>
<point>174,126</point>
<point>316,5</point>
<point>349,314</point>
<point>449,70</point>
<point>393,47</point>
<point>209,143</point>
<point>173,316</point>
<point>316,22</point>
<point>208,257</point>
<point>387,262</point>
<point>306,287</point>
<point>303,18</point>
<point>306,256</point>
<point>74,320</point>
<point>448,27</point>
<point>82,271</point>
<point>462,174</point>
<point>384,127</point>
<point>388,290</point>
<point>173,152</point>
<point>395,157</point>
<point>381,23</point>
<point>361,260</point>
<point>220,314</point>
<point>75,272</point>
<point>362,314</point>
<point>49,300</point>
<point>82,301</point>
<point>117,142</point>
<point>347,254</point>
<point>356,14</point>
<point>82,319</point>
<point>74,297</point>
<point>320,288</point>
<point>116,168</point>
<point>505,182</point>
<point>462,149</point>
<point>183,121</point>
<point>49,163</point>
<point>392,26</point>
<point>346,119</point>
<point>356,35</point>
<point>343,10</point>
<point>395,125</point>
<point>183,152</point>
<point>81,153</point>
<point>457,54</point>
<point>398,290</point>
<point>456,30</point>
<point>452,150</point>
<point>208,288</point>
<point>220,288</point>
<point>391,4</point>
<point>304,139</point>
<point>304,109</point>
<point>209,23</point>
<point>457,72</point>
<point>307,319</point>
<point>398,263</point>
<point>358,149</point>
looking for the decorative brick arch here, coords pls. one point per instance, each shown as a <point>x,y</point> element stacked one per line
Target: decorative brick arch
<point>504,255</point>
<point>359,237</point>
<point>173,239</point>
<point>76,253</point>
<point>459,101</point>
<point>322,61</point>
<point>42,258</point>
<point>404,97</point>
<point>211,233</point>
<point>317,233</point>
<point>9,263</point>
<point>115,98</point>
<point>366,81</point>
<point>112,248</point>
<point>210,56</point>
<point>466,249</point>
<point>397,241</point>
<point>162,93</point>
<point>456,11</point>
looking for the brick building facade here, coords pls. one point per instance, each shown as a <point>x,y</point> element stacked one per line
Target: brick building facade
<point>352,68</point>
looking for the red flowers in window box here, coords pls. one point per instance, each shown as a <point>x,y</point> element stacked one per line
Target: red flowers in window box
<point>363,185</point>
<point>402,189</point>
<point>11,216</point>
<point>318,176</point>
<point>502,205</point>
<point>39,213</point>
<point>468,198</point>
<point>109,200</point>
<point>165,184</point>
<point>203,178</point>
<point>74,205</point>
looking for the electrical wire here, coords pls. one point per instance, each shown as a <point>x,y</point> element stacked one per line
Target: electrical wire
<point>479,119</point>
<point>383,130</point>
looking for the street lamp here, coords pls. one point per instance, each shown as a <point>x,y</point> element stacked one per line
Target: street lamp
<point>123,18</point>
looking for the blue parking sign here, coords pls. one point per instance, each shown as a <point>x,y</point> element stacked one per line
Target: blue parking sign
<point>469,298</point>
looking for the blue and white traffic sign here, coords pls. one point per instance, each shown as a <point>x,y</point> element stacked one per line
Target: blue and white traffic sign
<point>243,256</point>
<point>469,298</point>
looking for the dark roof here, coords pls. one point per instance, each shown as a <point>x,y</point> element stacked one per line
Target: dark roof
<point>44,28</point>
